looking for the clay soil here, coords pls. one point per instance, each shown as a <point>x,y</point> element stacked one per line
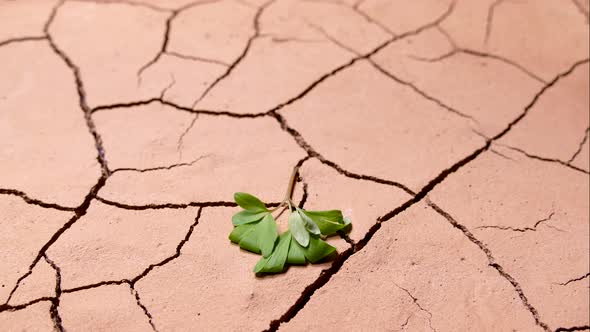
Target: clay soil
<point>454,134</point>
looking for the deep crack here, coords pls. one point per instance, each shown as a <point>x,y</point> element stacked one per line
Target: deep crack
<point>157,206</point>
<point>327,274</point>
<point>54,309</point>
<point>34,201</point>
<point>492,263</point>
<point>143,307</point>
<point>573,328</point>
<point>78,213</point>
<point>80,89</point>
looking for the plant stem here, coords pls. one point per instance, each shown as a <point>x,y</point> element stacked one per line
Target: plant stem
<point>289,193</point>
<point>291,186</point>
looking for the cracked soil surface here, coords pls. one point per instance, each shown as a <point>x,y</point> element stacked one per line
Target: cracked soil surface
<point>454,133</point>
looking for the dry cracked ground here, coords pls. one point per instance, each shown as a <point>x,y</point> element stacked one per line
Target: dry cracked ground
<point>455,134</point>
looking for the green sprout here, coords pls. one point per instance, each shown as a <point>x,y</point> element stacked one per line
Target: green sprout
<point>255,230</point>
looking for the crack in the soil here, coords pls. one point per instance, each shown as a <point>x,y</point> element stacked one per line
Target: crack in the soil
<point>521,230</point>
<point>492,263</point>
<point>172,82</point>
<point>129,3</point>
<point>356,8</point>
<point>539,94</point>
<point>156,206</point>
<point>238,60</point>
<point>9,307</point>
<point>80,89</point>
<point>420,92</point>
<point>54,309</point>
<point>551,160</point>
<point>143,307</point>
<point>312,153</point>
<point>490,19</point>
<point>21,39</point>
<point>417,304</point>
<point>196,58</point>
<point>492,150</point>
<point>305,193</point>
<point>326,35</point>
<point>148,269</point>
<point>131,282</point>
<point>356,59</point>
<point>78,213</point>
<point>573,328</point>
<point>164,49</point>
<point>34,201</point>
<point>180,142</point>
<point>390,75</point>
<point>582,10</point>
<point>580,146</point>
<point>368,18</point>
<point>273,111</point>
<point>175,255</point>
<point>160,168</point>
<point>403,326</point>
<point>455,49</point>
<point>177,107</point>
<point>327,274</point>
<point>575,279</point>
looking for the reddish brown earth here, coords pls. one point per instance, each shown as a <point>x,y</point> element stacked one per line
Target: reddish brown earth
<point>454,134</point>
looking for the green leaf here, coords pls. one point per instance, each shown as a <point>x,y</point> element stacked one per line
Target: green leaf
<point>249,240</point>
<point>297,228</point>
<point>266,231</point>
<point>238,232</point>
<point>249,202</point>
<point>296,254</point>
<point>317,250</point>
<point>259,236</point>
<point>329,222</point>
<point>247,216</point>
<point>260,265</point>
<point>275,263</point>
<point>310,225</point>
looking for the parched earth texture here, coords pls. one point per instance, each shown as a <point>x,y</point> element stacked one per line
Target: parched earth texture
<point>454,134</point>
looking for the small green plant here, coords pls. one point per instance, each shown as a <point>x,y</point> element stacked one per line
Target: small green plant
<point>255,230</point>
